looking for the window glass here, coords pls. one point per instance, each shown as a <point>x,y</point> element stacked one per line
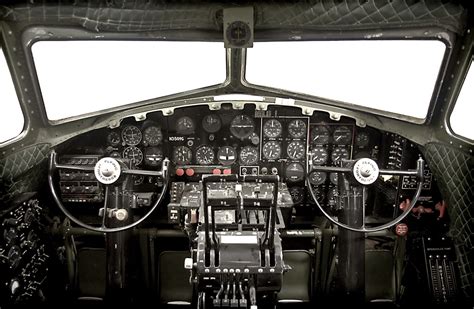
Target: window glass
<point>11,117</point>
<point>396,76</point>
<point>461,117</point>
<point>79,77</point>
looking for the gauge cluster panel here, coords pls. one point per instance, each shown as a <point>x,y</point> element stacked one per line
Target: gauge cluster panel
<point>277,141</point>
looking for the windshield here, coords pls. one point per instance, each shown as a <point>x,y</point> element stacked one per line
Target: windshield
<point>393,76</point>
<point>396,76</point>
<point>79,77</point>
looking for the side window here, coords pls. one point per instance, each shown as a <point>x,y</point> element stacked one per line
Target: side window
<point>461,117</point>
<point>11,116</point>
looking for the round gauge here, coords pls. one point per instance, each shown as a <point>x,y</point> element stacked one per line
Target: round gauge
<point>249,155</point>
<point>182,155</point>
<point>317,178</point>
<point>272,128</point>
<point>319,156</point>
<point>272,150</point>
<point>134,154</point>
<point>320,195</point>
<point>153,156</point>
<point>296,150</point>
<point>152,136</point>
<point>205,155</point>
<point>242,126</point>
<point>333,177</point>
<point>211,123</point>
<point>294,172</point>
<point>362,139</point>
<point>297,128</point>
<point>115,154</point>
<point>113,138</point>
<point>226,155</point>
<point>131,135</point>
<point>185,125</point>
<point>320,135</point>
<point>339,154</point>
<point>297,194</point>
<point>342,136</point>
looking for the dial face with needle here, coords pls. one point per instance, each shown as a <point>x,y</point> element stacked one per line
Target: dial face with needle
<point>211,123</point>
<point>185,125</point>
<point>272,128</point>
<point>134,154</point>
<point>320,135</point>
<point>339,154</point>
<point>342,135</point>
<point>272,150</point>
<point>249,155</point>
<point>182,155</point>
<point>296,150</point>
<point>297,128</point>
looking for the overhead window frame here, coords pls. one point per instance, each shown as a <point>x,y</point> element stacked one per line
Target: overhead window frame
<point>237,79</point>
<point>414,33</point>
<point>35,34</point>
<point>357,105</point>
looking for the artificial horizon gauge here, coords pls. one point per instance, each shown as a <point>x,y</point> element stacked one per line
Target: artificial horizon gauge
<point>211,123</point>
<point>272,150</point>
<point>205,155</point>
<point>272,128</point>
<point>134,154</point>
<point>182,155</point>
<point>320,135</point>
<point>249,155</point>
<point>296,150</point>
<point>131,135</point>
<point>153,156</point>
<point>152,136</point>
<point>226,155</point>
<point>185,126</point>
<point>297,128</point>
<point>242,126</point>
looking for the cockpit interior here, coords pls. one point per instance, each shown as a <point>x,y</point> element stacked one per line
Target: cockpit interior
<point>262,190</point>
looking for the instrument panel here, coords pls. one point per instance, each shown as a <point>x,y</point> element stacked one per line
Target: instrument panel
<point>278,141</point>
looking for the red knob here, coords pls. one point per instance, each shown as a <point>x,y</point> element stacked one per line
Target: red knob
<point>179,172</point>
<point>216,171</point>
<point>227,171</point>
<point>190,172</point>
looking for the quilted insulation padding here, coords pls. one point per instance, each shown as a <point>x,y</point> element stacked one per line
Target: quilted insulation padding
<point>23,171</point>
<point>142,15</point>
<point>455,175</point>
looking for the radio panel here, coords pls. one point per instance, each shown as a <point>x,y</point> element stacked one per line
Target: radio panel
<point>79,186</point>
